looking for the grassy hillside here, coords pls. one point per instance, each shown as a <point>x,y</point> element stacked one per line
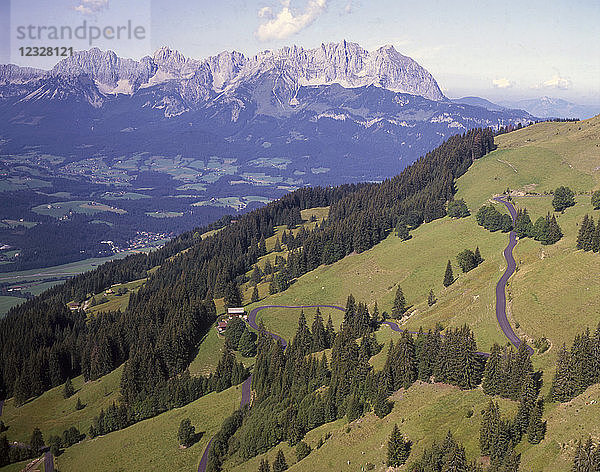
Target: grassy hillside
<point>554,293</point>
<point>52,413</point>
<point>152,444</point>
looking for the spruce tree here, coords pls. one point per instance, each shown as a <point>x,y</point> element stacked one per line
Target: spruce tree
<point>399,307</point>
<point>277,247</point>
<point>247,344</point>
<point>583,231</point>
<point>596,200</point>
<point>279,465</point>
<point>431,298</point>
<point>563,198</point>
<point>537,428</point>
<point>264,466</point>
<point>478,258</point>
<point>398,448</point>
<point>448,275</point>
<point>562,384</point>
<point>402,231</point>
<point>186,433</point>
<point>4,451</point>
<point>596,238</point>
<point>255,297</point>
<point>554,232</point>
<point>319,335</point>
<point>493,374</point>
<point>68,389</point>
<point>37,440</point>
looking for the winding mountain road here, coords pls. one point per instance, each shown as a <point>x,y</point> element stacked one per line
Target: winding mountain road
<point>500,316</point>
<point>501,286</point>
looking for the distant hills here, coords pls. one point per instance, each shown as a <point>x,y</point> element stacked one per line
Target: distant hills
<point>544,107</point>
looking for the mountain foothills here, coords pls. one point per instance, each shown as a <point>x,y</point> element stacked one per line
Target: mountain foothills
<point>147,382</point>
<point>159,145</point>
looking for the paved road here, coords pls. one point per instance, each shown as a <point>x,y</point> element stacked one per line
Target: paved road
<point>48,462</point>
<point>204,460</point>
<point>254,312</point>
<point>501,286</point>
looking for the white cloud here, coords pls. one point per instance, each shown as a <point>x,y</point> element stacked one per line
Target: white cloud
<point>265,12</point>
<point>288,22</point>
<point>556,82</point>
<point>88,7</point>
<point>502,83</point>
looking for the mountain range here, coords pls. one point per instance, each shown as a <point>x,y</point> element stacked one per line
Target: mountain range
<point>367,113</point>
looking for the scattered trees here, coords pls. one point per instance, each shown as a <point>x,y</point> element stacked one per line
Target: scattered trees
<point>493,220</point>
<point>563,198</point>
<point>468,260</point>
<point>302,450</point>
<point>587,457</point>
<point>577,368</point>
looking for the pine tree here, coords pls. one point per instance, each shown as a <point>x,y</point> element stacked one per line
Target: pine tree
<point>4,451</point>
<point>79,406</point>
<point>247,344</point>
<point>68,389</point>
<point>399,307</point>
<point>277,247</point>
<point>583,230</point>
<point>402,231</point>
<point>398,448</point>
<point>563,198</point>
<point>596,238</point>
<point>37,440</point>
<point>255,297</point>
<point>493,374</point>
<point>186,433</point>
<point>431,298</point>
<point>537,428</point>
<point>448,276</point>
<point>478,258</point>
<point>595,200</point>
<point>264,466</point>
<point>319,335</point>
<point>233,295</point>
<point>489,427</point>
<point>562,384</point>
<point>554,231</point>
<point>302,450</point>
<point>279,465</point>
<point>330,332</point>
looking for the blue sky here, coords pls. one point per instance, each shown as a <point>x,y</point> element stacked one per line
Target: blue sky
<point>495,49</point>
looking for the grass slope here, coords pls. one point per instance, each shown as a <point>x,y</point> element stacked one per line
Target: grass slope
<point>152,444</point>
<point>53,414</point>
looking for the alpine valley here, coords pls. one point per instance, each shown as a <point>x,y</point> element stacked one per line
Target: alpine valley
<point>118,148</point>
